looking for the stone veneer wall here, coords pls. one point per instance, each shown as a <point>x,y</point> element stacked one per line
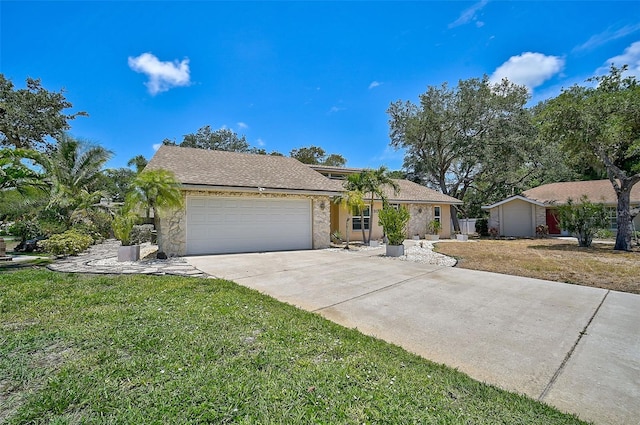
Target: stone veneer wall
<point>172,235</point>
<point>321,221</point>
<point>420,214</point>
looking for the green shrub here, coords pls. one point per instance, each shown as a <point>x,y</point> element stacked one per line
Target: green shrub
<point>433,227</point>
<point>583,219</point>
<point>71,242</point>
<point>394,221</point>
<point>26,229</point>
<point>93,221</point>
<point>605,234</point>
<point>482,226</point>
<point>141,233</point>
<point>52,221</point>
<point>123,225</point>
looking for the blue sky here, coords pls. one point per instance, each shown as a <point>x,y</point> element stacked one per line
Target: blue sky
<point>293,74</point>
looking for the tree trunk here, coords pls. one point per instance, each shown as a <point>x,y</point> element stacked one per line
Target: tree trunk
<point>454,218</point>
<point>347,232</point>
<point>370,220</point>
<point>623,237</point>
<point>156,226</point>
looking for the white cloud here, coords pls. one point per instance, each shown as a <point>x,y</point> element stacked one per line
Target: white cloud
<point>374,84</point>
<point>606,36</point>
<point>242,125</point>
<point>156,146</point>
<point>162,75</point>
<point>469,15</point>
<point>528,69</point>
<point>630,56</point>
<point>260,142</point>
<point>335,109</point>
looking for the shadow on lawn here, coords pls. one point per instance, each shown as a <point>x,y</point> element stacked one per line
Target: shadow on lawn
<point>15,265</point>
<point>596,248</point>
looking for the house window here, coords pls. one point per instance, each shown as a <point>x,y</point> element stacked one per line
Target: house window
<point>336,176</point>
<point>613,219</point>
<point>358,222</point>
<point>437,215</point>
<point>395,206</point>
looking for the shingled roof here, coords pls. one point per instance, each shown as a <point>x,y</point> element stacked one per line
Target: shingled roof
<point>203,167</point>
<point>413,192</point>
<point>221,169</point>
<point>595,190</point>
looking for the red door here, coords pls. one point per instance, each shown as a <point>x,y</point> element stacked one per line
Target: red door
<point>552,222</point>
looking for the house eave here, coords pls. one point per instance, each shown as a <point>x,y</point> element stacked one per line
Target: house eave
<point>258,190</point>
<point>422,201</point>
<point>513,198</point>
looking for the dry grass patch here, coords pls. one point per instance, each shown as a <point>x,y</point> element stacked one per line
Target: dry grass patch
<point>551,259</point>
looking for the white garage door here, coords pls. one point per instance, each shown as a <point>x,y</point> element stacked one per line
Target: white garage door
<point>226,225</point>
<point>517,219</point>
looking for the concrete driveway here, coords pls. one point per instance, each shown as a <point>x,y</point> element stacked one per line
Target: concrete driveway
<point>574,347</point>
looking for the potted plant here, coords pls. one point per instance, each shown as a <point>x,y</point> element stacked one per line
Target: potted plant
<point>433,230</point>
<point>122,226</point>
<point>394,222</point>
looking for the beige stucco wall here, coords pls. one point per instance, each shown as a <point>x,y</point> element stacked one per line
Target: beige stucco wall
<point>172,235</point>
<point>420,215</point>
<point>356,235</point>
<point>494,218</point>
<point>445,221</point>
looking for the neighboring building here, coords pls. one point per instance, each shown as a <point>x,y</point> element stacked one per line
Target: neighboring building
<point>519,215</point>
<point>239,202</point>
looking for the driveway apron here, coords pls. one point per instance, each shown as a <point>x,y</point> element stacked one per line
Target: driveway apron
<point>574,347</point>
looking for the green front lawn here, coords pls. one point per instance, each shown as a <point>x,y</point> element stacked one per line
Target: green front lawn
<point>143,349</point>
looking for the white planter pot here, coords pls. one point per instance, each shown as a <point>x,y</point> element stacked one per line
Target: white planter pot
<point>416,237</point>
<point>374,243</point>
<point>462,238</point>
<point>129,253</point>
<point>432,237</point>
<point>395,250</point>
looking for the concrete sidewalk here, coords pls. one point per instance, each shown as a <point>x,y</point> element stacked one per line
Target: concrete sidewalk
<point>574,347</point>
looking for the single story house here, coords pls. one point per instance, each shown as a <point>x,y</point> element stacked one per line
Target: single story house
<point>520,214</point>
<point>240,202</point>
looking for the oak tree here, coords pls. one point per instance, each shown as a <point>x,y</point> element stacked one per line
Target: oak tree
<point>473,142</point>
<point>601,125</point>
<point>29,116</point>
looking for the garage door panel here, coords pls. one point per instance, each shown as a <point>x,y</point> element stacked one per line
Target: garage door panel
<point>226,225</point>
<point>517,219</point>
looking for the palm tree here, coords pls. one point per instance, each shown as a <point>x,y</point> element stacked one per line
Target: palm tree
<point>73,170</point>
<point>371,182</point>
<point>155,190</point>
<point>139,162</point>
<point>353,201</point>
